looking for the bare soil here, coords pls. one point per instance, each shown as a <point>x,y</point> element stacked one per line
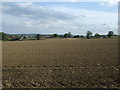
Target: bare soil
<point>61,63</point>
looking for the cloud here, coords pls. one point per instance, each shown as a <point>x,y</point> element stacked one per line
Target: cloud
<point>33,11</point>
<point>27,24</point>
<point>25,4</point>
<point>110,3</point>
<point>32,18</point>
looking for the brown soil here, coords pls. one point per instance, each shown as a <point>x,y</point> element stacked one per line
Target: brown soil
<point>61,63</point>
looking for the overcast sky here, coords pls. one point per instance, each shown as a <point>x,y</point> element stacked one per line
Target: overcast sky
<point>59,17</point>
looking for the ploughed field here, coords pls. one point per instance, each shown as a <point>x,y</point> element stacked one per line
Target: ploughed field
<point>61,63</point>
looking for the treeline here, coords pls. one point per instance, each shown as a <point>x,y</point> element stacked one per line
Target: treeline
<point>12,37</point>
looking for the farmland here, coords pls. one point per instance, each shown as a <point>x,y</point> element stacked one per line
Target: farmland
<point>60,63</point>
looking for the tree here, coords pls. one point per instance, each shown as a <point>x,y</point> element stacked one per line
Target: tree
<point>0,35</point>
<point>89,34</point>
<point>77,36</point>
<point>97,35</point>
<point>24,37</point>
<point>82,36</point>
<point>38,36</point>
<point>4,36</point>
<point>15,38</point>
<point>110,33</point>
<point>55,35</point>
<point>67,35</point>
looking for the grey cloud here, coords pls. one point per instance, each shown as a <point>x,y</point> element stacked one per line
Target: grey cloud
<point>34,12</point>
<point>20,19</point>
<point>83,15</point>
